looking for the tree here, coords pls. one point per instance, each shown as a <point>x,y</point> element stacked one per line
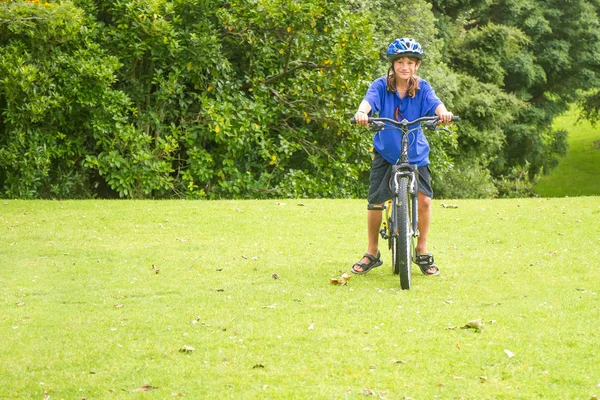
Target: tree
<point>541,52</point>
<point>64,129</point>
<point>247,99</point>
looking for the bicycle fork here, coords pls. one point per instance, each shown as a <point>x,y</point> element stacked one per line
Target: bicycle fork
<point>414,191</point>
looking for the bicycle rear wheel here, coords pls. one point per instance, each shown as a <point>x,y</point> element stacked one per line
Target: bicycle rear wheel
<point>403,237</point>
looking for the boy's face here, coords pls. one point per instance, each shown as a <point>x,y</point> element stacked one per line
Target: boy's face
<point>405,67</point>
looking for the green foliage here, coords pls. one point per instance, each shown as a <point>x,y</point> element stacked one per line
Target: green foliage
<point>63,124</point>
<point>484,51</point>
<point>541,53</point>
<point>590,105</point>
<point>577,173</point>
<point>465,181</point>
<point>251,99</point>
<point>517,183</point>
<point>215,99</point>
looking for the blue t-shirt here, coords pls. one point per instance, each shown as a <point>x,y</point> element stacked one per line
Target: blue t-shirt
<point>388,141</point>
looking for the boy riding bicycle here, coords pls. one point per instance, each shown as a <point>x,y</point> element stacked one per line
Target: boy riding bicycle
<point>399,95</point>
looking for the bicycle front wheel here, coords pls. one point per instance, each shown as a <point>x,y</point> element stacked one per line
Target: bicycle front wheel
<point>403,238</point>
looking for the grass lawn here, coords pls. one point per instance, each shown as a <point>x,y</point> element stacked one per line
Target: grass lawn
<point>578,172</point>
<point>84,314</point>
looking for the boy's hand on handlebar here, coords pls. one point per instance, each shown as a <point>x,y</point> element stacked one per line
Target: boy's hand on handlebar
<point>361,118</point>
<point>445,117</point>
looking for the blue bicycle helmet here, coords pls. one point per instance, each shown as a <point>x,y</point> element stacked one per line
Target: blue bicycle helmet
<point>404,47</point>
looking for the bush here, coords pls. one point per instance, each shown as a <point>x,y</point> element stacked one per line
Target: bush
<point>64,129</point>
<point>465,181</point>
<point>517,184</point>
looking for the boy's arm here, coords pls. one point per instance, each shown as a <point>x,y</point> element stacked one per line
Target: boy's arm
<point>362,114</point>
<point>443,113</point>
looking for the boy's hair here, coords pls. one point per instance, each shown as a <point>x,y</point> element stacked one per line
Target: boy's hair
<point>413,82</point>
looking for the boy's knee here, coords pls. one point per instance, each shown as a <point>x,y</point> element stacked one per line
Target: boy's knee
<point>424,201</point>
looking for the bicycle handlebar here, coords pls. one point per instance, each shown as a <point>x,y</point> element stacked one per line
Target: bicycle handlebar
<point>404,122</point>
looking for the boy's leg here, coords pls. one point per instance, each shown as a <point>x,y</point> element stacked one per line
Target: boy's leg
<point>424,220</point>
<point>379,191</point>
<point>374,218</point>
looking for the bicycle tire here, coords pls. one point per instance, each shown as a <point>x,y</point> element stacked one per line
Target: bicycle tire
<point>404,236</point>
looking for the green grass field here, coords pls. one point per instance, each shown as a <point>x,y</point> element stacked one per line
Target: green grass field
<point>578,173</point>
<point>84,314</point>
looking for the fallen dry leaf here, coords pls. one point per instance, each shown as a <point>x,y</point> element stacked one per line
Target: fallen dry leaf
<point>398,362</point>
<point>476,324</point>
<point>311,327</point>
<point>276,276</point>
<point>256,366</point>
<point>449,328</point>
<point>145,388</point>
<point>449,205</point>
<point>368,392</point>
<point>20,304</point>
<point>186,349</point>
<point>156,270</point>
<point>341,280</point>
<point>509,353</point>
<point>119,306</point>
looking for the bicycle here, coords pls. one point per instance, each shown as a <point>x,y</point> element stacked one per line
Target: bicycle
<point>400,225</point>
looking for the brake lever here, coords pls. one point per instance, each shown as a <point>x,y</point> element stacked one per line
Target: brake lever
<point>377,126</point>
<point>430,125</point>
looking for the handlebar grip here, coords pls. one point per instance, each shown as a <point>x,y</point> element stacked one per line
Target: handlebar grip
<point>353,120</point>
<point>455,118</point>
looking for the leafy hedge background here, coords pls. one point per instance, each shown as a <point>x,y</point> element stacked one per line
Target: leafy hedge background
<point>251,99</point>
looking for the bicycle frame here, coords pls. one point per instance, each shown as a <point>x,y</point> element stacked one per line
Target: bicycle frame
<point>404,168</point>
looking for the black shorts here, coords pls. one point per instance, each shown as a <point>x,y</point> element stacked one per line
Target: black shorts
<point>381,173</point>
